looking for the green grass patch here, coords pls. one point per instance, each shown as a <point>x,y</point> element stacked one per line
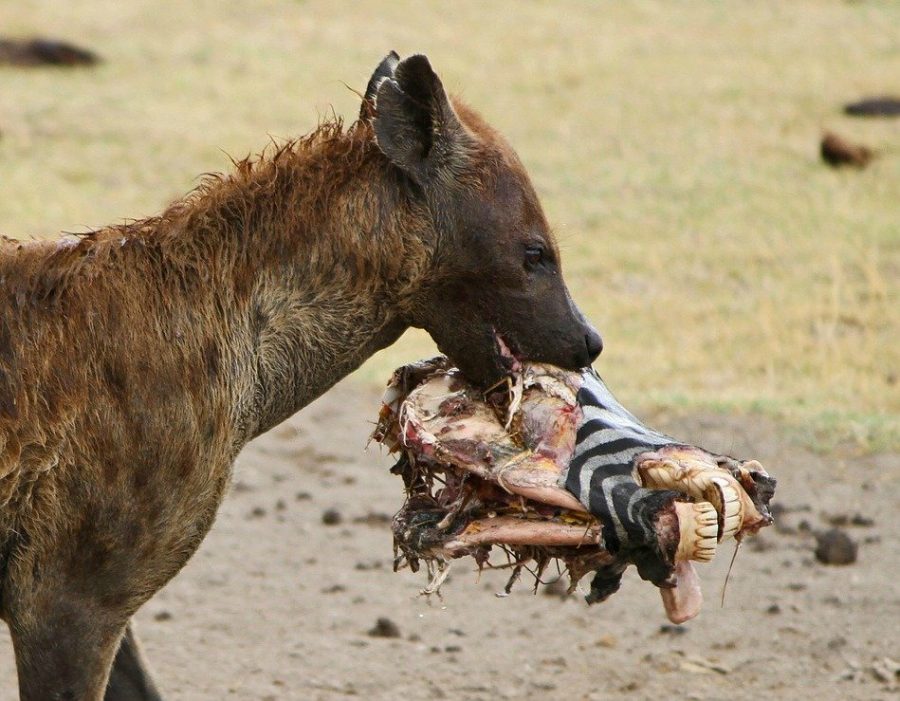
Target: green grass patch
<point>675,147</point>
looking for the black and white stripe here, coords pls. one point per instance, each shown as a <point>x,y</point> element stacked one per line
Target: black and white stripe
<point>600,472</point>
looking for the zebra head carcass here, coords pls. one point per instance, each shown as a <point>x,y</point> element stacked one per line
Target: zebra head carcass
<point>552,466</point>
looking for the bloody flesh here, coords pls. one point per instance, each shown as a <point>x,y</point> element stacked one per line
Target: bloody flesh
<point>484,471</point>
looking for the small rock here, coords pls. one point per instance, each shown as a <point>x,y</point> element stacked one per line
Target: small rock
<point>163,616</point>
<point>860,520</point>
<point>384,628</point>
<point>452,648</point>
<point>331,517</point>
<point>280,505</point>
<point>303,496</point>
<point>334,589</point>
<point>257,512</point>
<point>672,629</point>
<point>835,547</point>
<point>774,609</point>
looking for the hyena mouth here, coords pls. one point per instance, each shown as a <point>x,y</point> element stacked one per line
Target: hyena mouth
<point>507,352</point>
<point>557,469</point>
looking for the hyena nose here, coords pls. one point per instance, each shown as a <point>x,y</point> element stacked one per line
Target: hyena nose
<point>593,343</point>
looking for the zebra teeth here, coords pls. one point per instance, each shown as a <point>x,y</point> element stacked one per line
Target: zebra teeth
<point>710,531</point>
<point>731,526</point>
<point>701,482</point>
<point>708,517</point>
<point>704,554</point>
<point>731,512</point>
<point>698,525</point>
<point>731,496</point>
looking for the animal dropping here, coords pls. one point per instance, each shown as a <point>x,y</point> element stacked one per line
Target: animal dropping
<point>552,467</point>
<point>41,51</point>
<point>837,151</point>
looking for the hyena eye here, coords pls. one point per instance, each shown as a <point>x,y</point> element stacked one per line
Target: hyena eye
<point>534,256</point>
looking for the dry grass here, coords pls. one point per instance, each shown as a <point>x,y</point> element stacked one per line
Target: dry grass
<point>675,149</point>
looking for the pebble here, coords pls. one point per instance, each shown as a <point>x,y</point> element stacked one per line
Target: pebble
<point>385,628</point>
<point>331,517</point>
<point>835,547</point>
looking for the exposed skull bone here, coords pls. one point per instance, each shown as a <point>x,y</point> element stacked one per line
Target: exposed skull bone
<point>482,472</point>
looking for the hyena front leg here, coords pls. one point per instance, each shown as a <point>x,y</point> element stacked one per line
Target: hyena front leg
<point>130,679</point>
<point>64,647</point>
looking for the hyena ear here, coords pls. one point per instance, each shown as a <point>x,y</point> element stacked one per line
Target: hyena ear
<point>415,124</point>
<point>385,70</point>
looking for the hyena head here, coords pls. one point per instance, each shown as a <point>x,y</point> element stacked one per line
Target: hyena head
<point>495,278</point>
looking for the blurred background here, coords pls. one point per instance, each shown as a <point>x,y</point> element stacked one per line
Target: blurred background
<point>676,153</point>
<point>748,294</point>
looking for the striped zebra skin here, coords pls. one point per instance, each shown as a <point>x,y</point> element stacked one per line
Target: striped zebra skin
<point>600,474</point>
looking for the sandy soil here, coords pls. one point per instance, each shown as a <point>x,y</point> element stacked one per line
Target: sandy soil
<point>278,605</point>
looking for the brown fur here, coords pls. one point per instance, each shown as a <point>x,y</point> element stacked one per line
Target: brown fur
<point>136,361</point>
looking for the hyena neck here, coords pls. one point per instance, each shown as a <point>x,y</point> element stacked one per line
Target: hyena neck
<point>323,259</point>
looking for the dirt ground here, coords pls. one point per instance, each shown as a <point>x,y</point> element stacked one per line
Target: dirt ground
<point>278,604</point>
